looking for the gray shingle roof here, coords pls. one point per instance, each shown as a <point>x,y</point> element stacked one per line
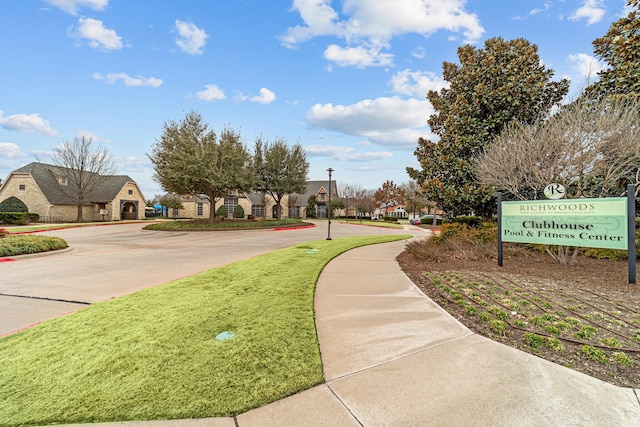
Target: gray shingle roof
<point>45,177</point>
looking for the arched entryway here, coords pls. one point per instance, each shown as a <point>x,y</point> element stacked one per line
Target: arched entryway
<point>128,209</point>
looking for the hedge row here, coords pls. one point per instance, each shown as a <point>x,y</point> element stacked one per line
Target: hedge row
<point>18,218</point>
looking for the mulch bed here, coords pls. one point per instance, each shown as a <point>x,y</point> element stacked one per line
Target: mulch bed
<point>585,317</point>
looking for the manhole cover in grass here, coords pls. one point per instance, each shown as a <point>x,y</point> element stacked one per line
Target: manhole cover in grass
<point>312,251</point>
<point>223,336</point>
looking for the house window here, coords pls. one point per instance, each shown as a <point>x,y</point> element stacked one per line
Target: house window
<point>322,197</point>
<point>63,180</point>
<point>130,192</point>
<point>200,208</point>
<point>22,187</point>
<point>230,203</point>
<point>257,210</point>
<point>294,212</point>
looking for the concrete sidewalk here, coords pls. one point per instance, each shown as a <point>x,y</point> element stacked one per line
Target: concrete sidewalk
<point>392,357</point>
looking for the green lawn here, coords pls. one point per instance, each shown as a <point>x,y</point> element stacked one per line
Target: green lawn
<point>233,224</point>
<point>154,354</point>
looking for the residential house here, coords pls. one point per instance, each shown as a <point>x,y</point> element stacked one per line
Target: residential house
<point>262,205</point>
<point>46,190</point>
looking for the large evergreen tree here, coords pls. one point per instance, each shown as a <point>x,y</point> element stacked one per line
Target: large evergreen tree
<point>620,49</point>
<point>491,87</point>
<point>280,170</point>
<point>191,159</point>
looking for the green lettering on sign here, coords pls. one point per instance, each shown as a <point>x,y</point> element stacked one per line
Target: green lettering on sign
<point>593,223</point>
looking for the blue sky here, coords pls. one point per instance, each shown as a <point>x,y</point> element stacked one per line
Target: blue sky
<point>347,79</point>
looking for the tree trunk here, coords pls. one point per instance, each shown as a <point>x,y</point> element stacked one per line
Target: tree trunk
<point>79,216</point>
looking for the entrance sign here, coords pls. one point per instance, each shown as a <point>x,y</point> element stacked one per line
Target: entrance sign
<point>607,223</point>
<point>593,223</point>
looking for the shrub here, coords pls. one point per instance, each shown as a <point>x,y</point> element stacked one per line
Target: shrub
<point>29,244</point>
<point>238,212</point>
<point>18,218</point>
<point>471,221</point>
<point>222,211</point>
<point>13,204</point>
<point>3,232</point>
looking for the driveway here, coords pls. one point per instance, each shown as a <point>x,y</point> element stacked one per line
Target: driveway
<point>109,261</point>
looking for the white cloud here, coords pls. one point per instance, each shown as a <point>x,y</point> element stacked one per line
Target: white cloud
<point>27,123</point>
<point>266,97</point>
<point>368,26</point>
<point>359,56</point>
<point>210,93</point>
<point>73,6</point>
<point>385,121</point>
<point>592,10</point>
<point>94,137</point>
<point>9,150</point>
<point>111,78</point>
<point>585,65</point>
<point>97,35</point>
<point>347,154</point>
<point>416,83</point>
<point>546,7</point>
<point>191,39</point>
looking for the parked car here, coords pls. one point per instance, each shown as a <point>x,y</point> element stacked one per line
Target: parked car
<point>424,219</point>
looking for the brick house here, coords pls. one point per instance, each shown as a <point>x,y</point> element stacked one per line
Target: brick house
<point>45,190</point>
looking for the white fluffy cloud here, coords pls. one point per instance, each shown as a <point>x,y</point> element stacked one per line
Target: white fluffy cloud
<point>73,6</point>
<point>111,78</point>
<point>266,96</point>
<point>585,65</point>
<point>416,83</point>
<point>388,121</point>
<point>191,39</point>
<point>359,56</point>
<point>210,93</point>
<point>27,123</point>
<point>97,35</point>
<point>367,26</point>
<point>592,10</point>
<point>347,154</point>
<point>9,150</point>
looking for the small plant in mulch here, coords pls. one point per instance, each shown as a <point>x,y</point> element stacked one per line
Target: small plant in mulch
<point>3,232</point>
<point>569,322</point>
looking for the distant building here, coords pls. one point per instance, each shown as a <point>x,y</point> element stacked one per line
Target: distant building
<point>45,190</point>
<point>262,205</point>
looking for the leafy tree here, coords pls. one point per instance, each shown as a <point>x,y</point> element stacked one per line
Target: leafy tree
<point>337,204</point>
<point>620,49</point>
<point>191,159</point>
<point>87,166</point>
<point>280,170</point>
<point>13,204</point>
<point>311,207</point>
<point>172,202</point>
<point>389,194</point>
<point>503,82</point>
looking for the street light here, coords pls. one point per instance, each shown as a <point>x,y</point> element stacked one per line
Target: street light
<point>347,190</point>
<point>329,211</point>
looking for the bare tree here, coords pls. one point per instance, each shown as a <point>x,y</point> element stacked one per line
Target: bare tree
<point>590,147</point>
<point>87,166</point>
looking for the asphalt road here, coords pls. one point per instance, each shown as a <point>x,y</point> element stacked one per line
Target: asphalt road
<point>104,262</point>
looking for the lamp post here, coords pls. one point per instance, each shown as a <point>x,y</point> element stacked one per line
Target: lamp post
<point>347,190</point>
<point>329,210</point>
